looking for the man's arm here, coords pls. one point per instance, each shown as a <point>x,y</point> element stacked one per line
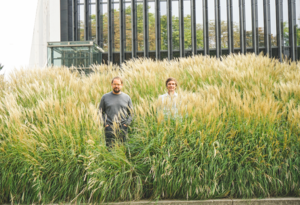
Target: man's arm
<point>102,110</point>
<point>129,112</point>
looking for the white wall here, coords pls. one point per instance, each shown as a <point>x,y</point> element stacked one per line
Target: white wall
<point>46,29</point>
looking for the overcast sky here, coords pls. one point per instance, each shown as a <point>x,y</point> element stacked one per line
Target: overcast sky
<point>16,30</point>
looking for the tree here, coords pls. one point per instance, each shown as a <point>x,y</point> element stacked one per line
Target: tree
<point>152,27</point>
<point>286,37</point>
<point>1,66</point>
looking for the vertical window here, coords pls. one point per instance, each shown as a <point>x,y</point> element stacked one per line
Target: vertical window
<point>224,27</point>
<point>298,21</point>
<point>248,20</point>
<point>128,31</point>
<point>187,24</point>
<point>175,25</point>
<point>236,23</point>
<point>285,23</point>
<point>151,23</point>
<point>163,26</point>
<point>105,27</point>
<point>261,26</point>
<point>92,20</point>
<point>199,24</point>
<point>211,24</point>
<point>81,20</point>
<point>140,26</point>
<point>273,22</point>
<point>116,23</point>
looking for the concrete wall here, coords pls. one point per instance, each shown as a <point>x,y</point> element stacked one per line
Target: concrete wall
<point>46,28</point>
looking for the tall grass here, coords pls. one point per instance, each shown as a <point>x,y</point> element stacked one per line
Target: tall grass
<point>238,135</point>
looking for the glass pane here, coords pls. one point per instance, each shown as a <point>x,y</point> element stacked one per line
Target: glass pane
<point>175,25</point>
<point>128,44</point>
<point>199,24</point>
<point>187,25</point>
<point>81,22</point>
<point>163,26</point>
<point>211,24</point>
<point>56,57</point>
<point>273,22</point>
<point>261,32</point>
<point>151,23</point>
<point>140,26</point>
<point>248,18</point>
<point>224,27</point>
<point>93,21</point>
<point>298,21</point>
<point>236,23</point>
<point>116,22</point>
<point>105,28</point>
<point>285,23</point>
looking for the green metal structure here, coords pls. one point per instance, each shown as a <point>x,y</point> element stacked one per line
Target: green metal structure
<point>81,54</point>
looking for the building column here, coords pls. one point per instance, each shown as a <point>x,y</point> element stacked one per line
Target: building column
<point>242,27</point>
<point>75,21</point>
<point>181,28</point>
<point>64,20</point>
<point>98,21</point>
<point>157,29</point>
<point>134,28</point>
<point>205,28</point>
<point>194,31</point>
<point>279,23</point>
<point>146,29</point>
<point>218,28</point>
<point>292,29</point>
<point>122,30</point>
<point>110,22</point>
<point>230,27</point>
<point>86,20</point>
<point>169,25</point>
<point>255,27</point>
<point>267,29</point>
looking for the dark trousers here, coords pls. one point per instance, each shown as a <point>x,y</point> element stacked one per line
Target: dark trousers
<point>112,135</point>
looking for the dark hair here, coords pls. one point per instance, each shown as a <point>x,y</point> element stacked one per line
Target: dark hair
<point>117,77</point>
<point>171,79</point>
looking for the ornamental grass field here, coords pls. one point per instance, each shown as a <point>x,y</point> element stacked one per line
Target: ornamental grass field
<point>237,137</point>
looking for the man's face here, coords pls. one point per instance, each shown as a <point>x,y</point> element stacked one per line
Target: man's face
<point>116,85</point>
<point>171,86</point>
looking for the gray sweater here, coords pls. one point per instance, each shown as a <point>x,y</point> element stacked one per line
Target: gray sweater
<point>116,108</point>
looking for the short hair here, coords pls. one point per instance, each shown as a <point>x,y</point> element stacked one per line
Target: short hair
<point>117,77</point>
<point>171,79</point>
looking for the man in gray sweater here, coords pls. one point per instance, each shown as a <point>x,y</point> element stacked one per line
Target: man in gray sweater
<point>117,112</point>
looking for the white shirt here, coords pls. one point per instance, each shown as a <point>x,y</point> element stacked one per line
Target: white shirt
<point>169,104</point>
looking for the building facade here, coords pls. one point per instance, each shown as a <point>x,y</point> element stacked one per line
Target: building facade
<point>162,29</point>
<point>46,28</point>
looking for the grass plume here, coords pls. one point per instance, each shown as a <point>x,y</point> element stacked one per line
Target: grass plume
<point>238,135</point>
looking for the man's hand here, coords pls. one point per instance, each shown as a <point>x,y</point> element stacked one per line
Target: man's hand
<point>125,125</point>
<point>106,125</point>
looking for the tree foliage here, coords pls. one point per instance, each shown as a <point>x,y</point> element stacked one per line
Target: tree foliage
<point>175,32</point>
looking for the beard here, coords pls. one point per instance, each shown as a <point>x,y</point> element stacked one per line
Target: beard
<point>117,90</point>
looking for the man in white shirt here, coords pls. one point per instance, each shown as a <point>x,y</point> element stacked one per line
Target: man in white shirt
<point>169,99</point>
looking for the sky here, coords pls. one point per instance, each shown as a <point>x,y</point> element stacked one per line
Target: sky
<point>17,19</point>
